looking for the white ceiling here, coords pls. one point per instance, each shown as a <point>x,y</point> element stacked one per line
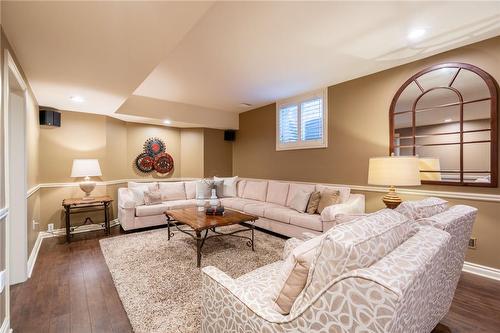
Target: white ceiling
<point>195,62</point>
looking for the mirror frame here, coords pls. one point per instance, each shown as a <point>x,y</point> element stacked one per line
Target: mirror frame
<point>493,89</point>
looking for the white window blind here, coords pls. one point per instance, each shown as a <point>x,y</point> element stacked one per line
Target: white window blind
<point>301,122</point>
<point>289,127</point>
<point>311,118</point>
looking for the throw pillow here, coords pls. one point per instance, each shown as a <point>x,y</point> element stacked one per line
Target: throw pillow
<point>229,185</point>
<point>312,205</point>
<point>138,190</point>
<point>293,277</point>
<point>300,200</point>
<point>152,197</point>
<point>219,188</point>
<point>420,209</point>
<point>328,198</point>
<point>204,188</point>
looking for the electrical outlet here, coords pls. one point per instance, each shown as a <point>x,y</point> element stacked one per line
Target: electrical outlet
<point>34,224</point>
<point>473,243</point>
<point>50,227</point>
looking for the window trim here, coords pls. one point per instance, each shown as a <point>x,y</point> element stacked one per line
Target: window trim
<point>297,100</point>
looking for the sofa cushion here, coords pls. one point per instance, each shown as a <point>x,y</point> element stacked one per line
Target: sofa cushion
<point>354,245</point>
<point>172,191</point>
<point>255,190</point>
<point>204,188</point>
<point>294,188</point>
<point>190,190</point>
<point>345,192</point>
<point>151,210</point>
<point>281,214</point>
<point>420,209</point>
<point>175,204</point>
<point>307,221</point>
<point>277,192</point>
<point>258,209</point>
<point>229,187</point>
<point>240,187</point>
<point>300,200</point>
<point>138,189</point>
<point>237,203</point>
<point>328,197</point>
<point>152,197</point>
<point>312,205</point>
<point>294,274</point>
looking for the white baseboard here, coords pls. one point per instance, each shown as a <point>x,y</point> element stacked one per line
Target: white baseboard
<point>484,271</point>
<point>34,254</point>
<point>56,233</point>
<point>5,326</point>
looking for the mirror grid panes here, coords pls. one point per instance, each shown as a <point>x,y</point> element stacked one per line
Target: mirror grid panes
<point>447,116</point>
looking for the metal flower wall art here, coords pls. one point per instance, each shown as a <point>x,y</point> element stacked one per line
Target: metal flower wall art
<point>154,157</point>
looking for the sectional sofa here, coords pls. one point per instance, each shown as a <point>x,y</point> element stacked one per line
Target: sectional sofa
<point>267,199</point>
<point>387,272</point>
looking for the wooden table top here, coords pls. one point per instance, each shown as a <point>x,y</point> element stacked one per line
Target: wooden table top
<point>81,201</point>
<point>199,221</point>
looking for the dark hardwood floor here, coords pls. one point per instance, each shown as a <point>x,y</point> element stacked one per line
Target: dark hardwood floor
<point>71,290</point>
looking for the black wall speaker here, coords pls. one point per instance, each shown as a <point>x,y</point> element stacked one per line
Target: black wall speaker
<point>229,135</point>
<point>49,117</point>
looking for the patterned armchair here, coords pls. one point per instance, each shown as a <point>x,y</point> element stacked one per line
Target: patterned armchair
<point>407,290</point>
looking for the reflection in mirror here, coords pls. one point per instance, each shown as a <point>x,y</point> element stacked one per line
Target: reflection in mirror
<point>446,116</point>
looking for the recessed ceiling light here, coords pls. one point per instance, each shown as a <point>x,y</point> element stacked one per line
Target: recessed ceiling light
<point>245,105</point>
<point>416,34</point>
<point>167,122</point>
<point>77,99</point>
<point>448,120</point>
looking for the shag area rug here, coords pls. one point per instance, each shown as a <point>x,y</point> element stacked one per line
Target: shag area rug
<point>159,283</point>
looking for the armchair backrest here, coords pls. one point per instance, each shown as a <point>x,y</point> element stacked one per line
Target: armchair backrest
<point>396,294</point>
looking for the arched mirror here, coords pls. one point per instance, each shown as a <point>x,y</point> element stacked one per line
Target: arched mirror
<point>447,115</point>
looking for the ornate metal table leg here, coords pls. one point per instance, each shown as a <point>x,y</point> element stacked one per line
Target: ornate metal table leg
<point>253,228</point>
<point>199,243</point>
<point>168,227</point>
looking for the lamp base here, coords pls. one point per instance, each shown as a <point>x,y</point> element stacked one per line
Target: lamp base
<point>391,199</point>
<point>87,186</point>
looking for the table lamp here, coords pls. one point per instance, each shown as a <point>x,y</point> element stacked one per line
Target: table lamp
<point>86,168</point>
<point>393,171</point>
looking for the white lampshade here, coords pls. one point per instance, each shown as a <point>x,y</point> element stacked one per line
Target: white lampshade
<point>86,168</point>
<point>394,171</point>
<point>429,164</point>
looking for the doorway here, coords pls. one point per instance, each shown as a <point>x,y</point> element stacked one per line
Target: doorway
<point>15,109</point>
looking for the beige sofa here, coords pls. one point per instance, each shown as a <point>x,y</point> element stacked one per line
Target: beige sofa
<point>398,275</point>
<point>267,199</point>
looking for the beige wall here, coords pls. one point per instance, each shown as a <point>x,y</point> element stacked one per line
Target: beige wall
<point>359,129</point>
<point>218,159</point>
<point>192,152</point>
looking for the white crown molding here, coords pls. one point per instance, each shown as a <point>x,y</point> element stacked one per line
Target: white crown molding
<point>441,194</point>
<point>484,271</point>
<point>34,189</point>
<point>365,188</point>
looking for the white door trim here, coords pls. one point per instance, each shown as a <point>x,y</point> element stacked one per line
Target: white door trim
<point>11,67</point>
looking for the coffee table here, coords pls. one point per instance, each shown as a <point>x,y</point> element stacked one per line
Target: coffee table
<point>198,221</point>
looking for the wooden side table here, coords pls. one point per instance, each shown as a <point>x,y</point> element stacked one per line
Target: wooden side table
<point>78,205</point>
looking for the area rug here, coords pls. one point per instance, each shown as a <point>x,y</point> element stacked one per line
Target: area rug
<point>158,281</point>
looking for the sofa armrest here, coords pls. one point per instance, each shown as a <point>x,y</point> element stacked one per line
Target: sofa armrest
<point>125,198</point>
<point>355,205</point>
<point>290,244</point>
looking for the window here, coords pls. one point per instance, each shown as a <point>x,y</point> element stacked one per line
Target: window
<point>302,122</point>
